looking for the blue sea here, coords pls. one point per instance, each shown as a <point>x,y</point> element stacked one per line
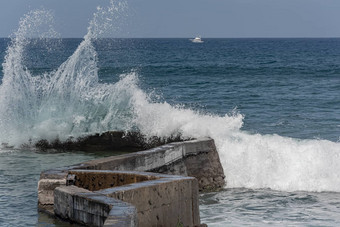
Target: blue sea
<point>271,105</point>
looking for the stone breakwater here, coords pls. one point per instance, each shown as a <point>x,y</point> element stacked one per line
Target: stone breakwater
<point>155,187</point>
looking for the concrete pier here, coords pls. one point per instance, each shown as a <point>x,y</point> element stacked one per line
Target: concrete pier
<point>136,185</point>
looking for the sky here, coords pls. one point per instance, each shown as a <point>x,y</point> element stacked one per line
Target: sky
<point>188,18</point>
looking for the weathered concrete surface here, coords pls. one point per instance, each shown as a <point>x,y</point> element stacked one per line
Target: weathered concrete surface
<point>160,200</point>
<point>89,208</point>
<point>98,180</point>
<point>46,188</point>
<point>196,158</point>
<point>49,180</point>
<point>187,158</point>
<point>168,201</point>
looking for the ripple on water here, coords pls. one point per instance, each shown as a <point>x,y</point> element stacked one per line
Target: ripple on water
<point>264,207</point>
<point>19,175</point>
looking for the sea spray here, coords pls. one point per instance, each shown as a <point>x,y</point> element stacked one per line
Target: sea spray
<point>19,90</point>
<point>70,101</point>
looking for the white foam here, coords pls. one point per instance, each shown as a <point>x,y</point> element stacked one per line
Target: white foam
<point>250,161</point>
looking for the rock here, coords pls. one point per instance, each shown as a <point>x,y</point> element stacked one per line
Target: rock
<point>107,141</point>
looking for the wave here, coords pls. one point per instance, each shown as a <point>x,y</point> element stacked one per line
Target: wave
<point>70,101</point>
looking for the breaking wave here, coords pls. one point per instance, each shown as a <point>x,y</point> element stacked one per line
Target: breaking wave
<point>70,101</point>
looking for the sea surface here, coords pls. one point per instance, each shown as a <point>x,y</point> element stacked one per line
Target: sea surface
<point>271,105</point>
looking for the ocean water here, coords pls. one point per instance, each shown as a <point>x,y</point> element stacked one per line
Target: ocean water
<point>271,105</point>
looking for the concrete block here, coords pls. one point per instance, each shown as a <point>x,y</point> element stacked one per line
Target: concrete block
<point>46,190</point>
<point>163,202</point>
<point>122,214</point>
<point>90,208</point>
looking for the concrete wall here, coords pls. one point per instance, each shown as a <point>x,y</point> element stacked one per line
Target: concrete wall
<point>98,180</point>
<point>164,202</point>
<point>85,207</point>
<point>196,158</point>
<point>160,200</point>
<point>187,158</point>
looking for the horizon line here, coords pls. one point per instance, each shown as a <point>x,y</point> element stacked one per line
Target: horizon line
<point>259,37</point>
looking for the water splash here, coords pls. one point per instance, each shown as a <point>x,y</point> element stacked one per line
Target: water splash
<point>250,161</point>
<point>66,102</point>
<point>71,102</point>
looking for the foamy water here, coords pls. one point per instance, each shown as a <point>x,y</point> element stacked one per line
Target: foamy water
<point>70,101</point>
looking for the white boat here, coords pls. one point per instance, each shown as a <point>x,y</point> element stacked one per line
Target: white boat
<point>197,39</point>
